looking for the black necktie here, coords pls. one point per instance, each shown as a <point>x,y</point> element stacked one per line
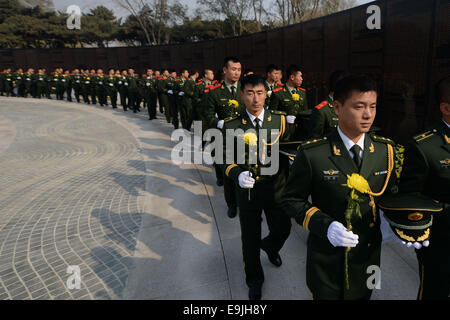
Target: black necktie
<point>257,126</point>
<point>357,158</point>
<point>233,93</point>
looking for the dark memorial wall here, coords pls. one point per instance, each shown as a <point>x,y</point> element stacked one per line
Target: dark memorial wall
<point>407,56</point>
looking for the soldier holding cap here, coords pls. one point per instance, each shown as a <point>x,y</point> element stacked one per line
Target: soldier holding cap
<point>427,170</point>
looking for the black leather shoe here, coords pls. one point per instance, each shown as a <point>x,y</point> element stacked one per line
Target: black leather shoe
<point>219,182</point>
<point>232,212</point>
<point>254,293</point>
<point>275,259</point>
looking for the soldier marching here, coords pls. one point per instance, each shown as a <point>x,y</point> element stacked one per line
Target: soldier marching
<point>335,176</point>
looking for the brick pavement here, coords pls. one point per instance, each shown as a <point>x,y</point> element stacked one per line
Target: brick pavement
<point>67,197</point>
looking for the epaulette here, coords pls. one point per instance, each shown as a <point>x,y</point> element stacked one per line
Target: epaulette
<point>302,89</point>
<point>321,105</point>
<point>277,89</point>
<point>312,143</point>
<point>382,139</point>
<point>278,112</point>
<point>230,118</point>
<point>420,138</point>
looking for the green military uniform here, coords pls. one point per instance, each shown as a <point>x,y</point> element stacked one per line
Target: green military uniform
<point>265,194</point>
<point>77,85</point>
<point>323,119</point>
<point>27,80</point>
<point>133,92</point>
<point>85,87</point>
<point>41,84</point>
<point>58,85</point>
<point>67,80</point>
<point>9,84</point>
<point>185,87</point>
<point>20,84</point>
<point>202,88</point>
<point>93,88</point>
<point>269,89</point>
<point>100,89</point>
<point>426,169</point>
<point>34,84</point>
<point>320,170</point>
<point>150,94</point>
<point>218,101</point>
<point>171,101</point>
<point>48,86</point>
<point>162,97</point>
<point>122,83</point>
<point>282,99</point>
<point>2,83</point>
<point>111,89</point>
<point>199,90</point>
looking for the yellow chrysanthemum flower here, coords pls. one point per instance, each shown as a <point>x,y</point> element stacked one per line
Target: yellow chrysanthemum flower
<point>250,139</point>
<point>295,97</point>
<point>357,182</point>
<point>233,103</point>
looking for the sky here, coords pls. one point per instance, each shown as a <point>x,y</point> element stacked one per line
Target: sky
<point>85,5</point>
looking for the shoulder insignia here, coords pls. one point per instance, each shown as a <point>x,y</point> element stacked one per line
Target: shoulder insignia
<point>420,138</point>
<point>278,112</point>
<point>277,89</point>
<point>321,105</point>
<point>382,139</point>
<point>302,89</point>
<point>312,143</point>
<point>229,119</point>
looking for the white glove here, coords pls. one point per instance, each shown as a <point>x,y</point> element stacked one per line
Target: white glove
<point>291,162</point>
<point>269,93</point>
<point>339,236</point>
<point>181,93</point>
<point>290,119</point>
<point>417,245</point>
<point>245,180</point>
<point>169,91</point>
<point>220,124</point>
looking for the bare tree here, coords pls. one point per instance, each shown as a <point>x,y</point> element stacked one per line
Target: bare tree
<point>235,11</point>
<point>154,17</point>
<point>294,11</point>
<point>258,11</point>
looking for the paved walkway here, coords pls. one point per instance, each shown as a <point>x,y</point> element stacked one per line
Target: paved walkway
<point>93,187</point>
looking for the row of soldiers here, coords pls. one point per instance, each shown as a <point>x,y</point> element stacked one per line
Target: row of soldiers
<point>335,140</point>
<point>177,94</point>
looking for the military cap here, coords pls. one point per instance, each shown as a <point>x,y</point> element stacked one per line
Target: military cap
<point>410,215</point>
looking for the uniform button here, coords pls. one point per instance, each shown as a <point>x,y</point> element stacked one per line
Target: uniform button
<point>257,178</point>
<point>256,166</point>
<point>372,225</point>
<point>368,245</point>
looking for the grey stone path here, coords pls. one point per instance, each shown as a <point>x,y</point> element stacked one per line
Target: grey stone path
<point>96,188</point>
